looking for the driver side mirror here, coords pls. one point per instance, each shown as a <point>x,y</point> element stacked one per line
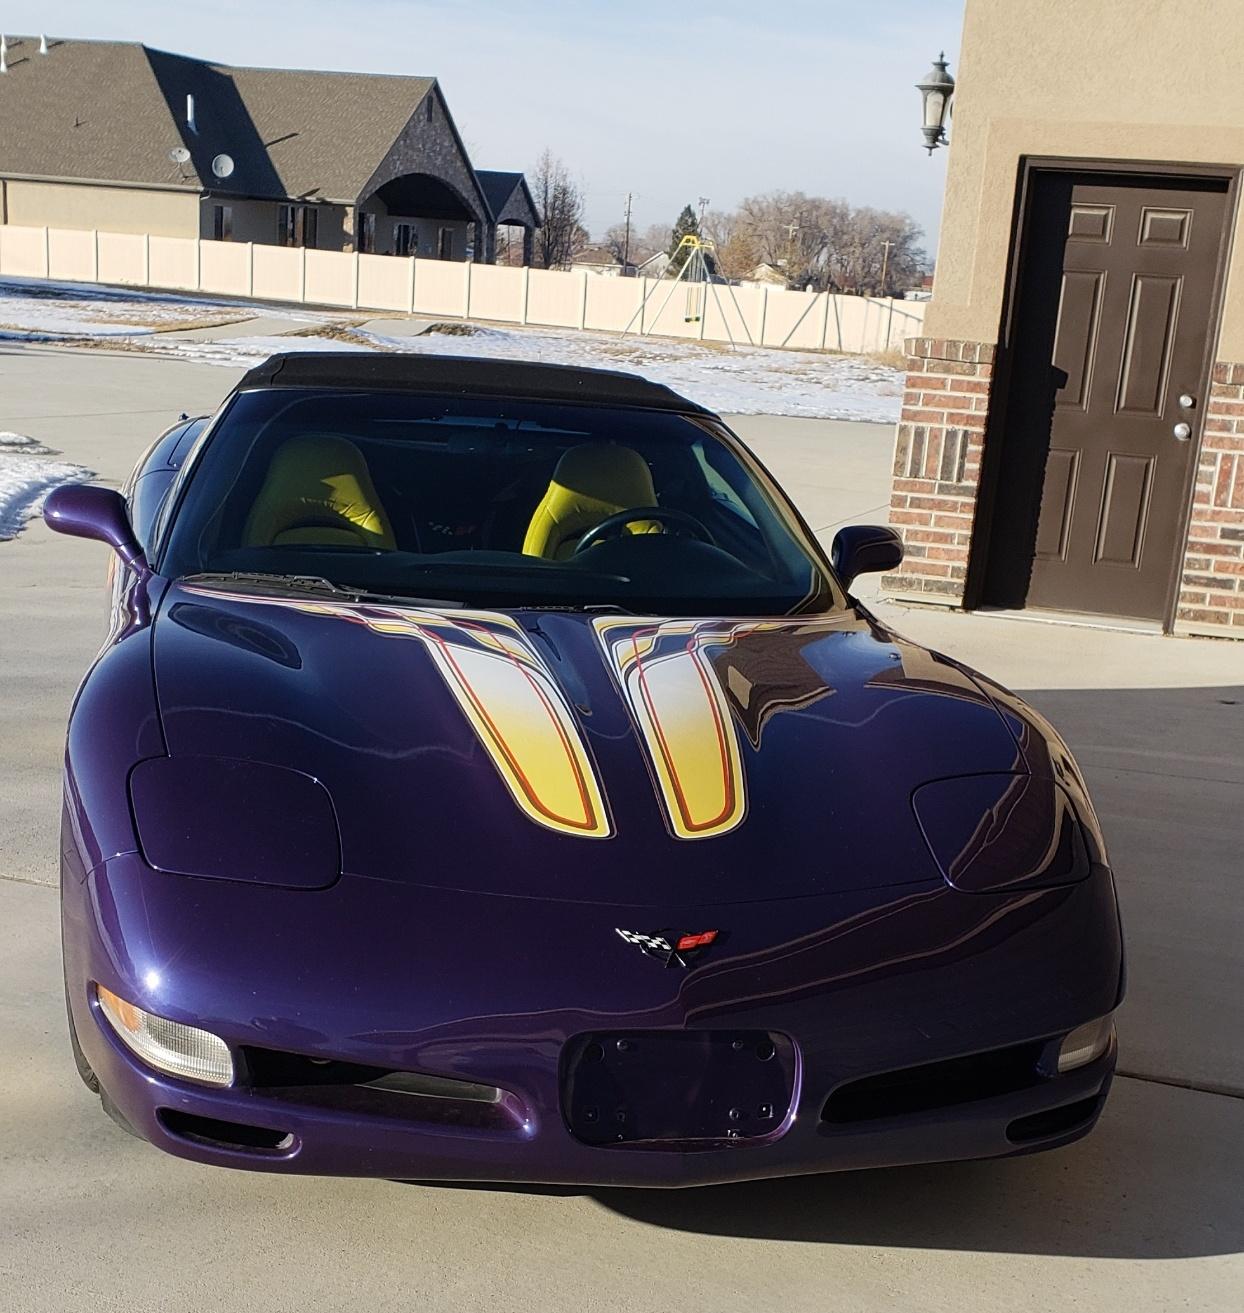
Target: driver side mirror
<point>864,549</point>
<point>85,510</point>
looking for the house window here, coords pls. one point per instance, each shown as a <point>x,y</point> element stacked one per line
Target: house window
<point>445,244</point>
<point>366,240</point>
<point>222,223</point>
<point>297,225</point>
<point>405,239</point>
<point>428,108</point>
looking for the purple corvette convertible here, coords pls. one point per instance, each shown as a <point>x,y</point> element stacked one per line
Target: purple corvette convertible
<point>486,776</point>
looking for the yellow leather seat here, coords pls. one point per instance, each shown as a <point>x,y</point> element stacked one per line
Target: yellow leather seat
<point>318,491</point>
<point>590,483</point>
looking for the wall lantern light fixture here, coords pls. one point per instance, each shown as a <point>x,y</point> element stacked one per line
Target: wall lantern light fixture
<point>937,91</point>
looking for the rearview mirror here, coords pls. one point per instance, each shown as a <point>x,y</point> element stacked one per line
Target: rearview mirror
<point>85,510</point>
<point>865,549</point>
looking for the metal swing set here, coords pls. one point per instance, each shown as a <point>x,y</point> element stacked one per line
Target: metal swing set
<point>695,275</point>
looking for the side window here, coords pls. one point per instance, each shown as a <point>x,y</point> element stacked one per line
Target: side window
<point>145,502</point>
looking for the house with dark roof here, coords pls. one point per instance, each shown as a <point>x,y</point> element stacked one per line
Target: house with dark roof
<point>119,137</point>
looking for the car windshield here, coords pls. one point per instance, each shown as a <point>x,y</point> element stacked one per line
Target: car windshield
<point>491,502</point>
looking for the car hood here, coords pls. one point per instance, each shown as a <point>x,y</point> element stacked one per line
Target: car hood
<point>613,759</point>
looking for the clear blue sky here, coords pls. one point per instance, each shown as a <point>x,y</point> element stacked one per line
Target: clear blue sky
<point>809,95</point>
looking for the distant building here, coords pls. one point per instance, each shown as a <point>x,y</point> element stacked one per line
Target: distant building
<point>655,266</point>
<point>119,137</point>
<point>596,260</point>
<point>765,275</point>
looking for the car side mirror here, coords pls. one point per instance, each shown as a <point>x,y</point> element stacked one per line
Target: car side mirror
<point>85,510</point>
<point>864,549</point>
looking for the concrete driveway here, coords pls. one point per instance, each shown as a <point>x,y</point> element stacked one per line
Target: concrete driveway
<point>1147,1213</point>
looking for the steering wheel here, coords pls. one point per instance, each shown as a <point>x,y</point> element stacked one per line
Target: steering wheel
<point>612,525</point>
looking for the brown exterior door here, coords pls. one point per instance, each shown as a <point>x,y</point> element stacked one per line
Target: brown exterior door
<point>1109,373</point>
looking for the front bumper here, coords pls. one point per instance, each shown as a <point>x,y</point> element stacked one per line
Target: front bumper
<point>862,984</point>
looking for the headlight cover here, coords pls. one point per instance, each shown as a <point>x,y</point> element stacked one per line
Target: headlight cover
<point>235,820</point>
<point>168,1046</point>
<point>1002,832</point>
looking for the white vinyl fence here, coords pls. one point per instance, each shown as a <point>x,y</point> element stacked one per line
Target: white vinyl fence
<point>446,289</point>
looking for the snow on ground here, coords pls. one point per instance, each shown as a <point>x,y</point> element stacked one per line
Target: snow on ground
<point>744,381</point>
<point>39,310</point>
<point>741,381</point>
<point>26,478</point>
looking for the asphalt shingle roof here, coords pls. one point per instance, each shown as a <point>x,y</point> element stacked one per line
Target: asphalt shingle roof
<point>112,111</point>
<point>499,191</point>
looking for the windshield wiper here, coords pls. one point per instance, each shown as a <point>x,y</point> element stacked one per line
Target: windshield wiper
<point>315,585</point>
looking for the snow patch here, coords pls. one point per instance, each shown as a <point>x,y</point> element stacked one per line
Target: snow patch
<point>26,478</point>
<point>742,381</point>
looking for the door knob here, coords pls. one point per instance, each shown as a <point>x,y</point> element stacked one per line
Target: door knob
<point>1182,431</point>
<point>1186,400</point>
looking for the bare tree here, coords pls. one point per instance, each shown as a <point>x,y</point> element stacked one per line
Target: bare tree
<point>826,244</point>
<point>736,254</point>
<point>560,203</point>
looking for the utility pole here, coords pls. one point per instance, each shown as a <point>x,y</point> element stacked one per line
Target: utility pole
<point>885,263</point>
<point>626,241</point>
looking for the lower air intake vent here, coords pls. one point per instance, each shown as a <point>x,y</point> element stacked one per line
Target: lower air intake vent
<point>936,1085</point>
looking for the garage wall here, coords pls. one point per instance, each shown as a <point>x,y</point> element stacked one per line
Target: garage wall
<point>1031,82</point>
<point>114,209</point>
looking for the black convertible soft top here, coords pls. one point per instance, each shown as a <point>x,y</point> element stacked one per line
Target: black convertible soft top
<point>464,376</point>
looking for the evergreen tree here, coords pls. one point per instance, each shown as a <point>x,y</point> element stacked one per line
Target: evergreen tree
<point>686,226</point>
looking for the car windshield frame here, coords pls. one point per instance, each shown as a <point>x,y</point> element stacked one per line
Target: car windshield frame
<point>517,584</point>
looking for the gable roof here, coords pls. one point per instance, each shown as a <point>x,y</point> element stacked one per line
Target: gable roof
<point>508,196</point>
<point>107,111</point>
<point>596,254</point>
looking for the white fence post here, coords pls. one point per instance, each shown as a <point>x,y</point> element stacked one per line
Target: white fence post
<point>146,259</point>
<point>250,268</point>
<point>354,299</point>
<point>526,289</point>
<point>583,302</point>
<point>412,262</point>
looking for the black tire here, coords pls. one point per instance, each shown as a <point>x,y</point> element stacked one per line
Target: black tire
<point>89,1078</point>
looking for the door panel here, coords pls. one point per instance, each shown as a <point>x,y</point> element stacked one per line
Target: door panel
<point>1147,344</point>
<point>1124,508</point>
<point>1058,497</point>
<point>1113,311</point>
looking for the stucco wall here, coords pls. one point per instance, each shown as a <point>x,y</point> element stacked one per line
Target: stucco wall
<point>256,221</point>
<point>114,209</point>
<point>1108,79</point>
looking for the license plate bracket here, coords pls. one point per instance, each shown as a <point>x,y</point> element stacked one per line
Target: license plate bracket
<point>665,1088</point>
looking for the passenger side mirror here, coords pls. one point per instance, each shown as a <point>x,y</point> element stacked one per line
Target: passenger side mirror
<point>864,549</point>
<point>85,510</point>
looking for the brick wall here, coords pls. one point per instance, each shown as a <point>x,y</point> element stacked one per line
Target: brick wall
<point>937,459</point>
<point>1211,596</point>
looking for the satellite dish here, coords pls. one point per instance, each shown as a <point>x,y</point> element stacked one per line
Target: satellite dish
<point>222,166</point>
<point>179,155</point>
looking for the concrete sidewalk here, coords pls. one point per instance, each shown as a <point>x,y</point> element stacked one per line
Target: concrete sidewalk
<point>1145,1214</point>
